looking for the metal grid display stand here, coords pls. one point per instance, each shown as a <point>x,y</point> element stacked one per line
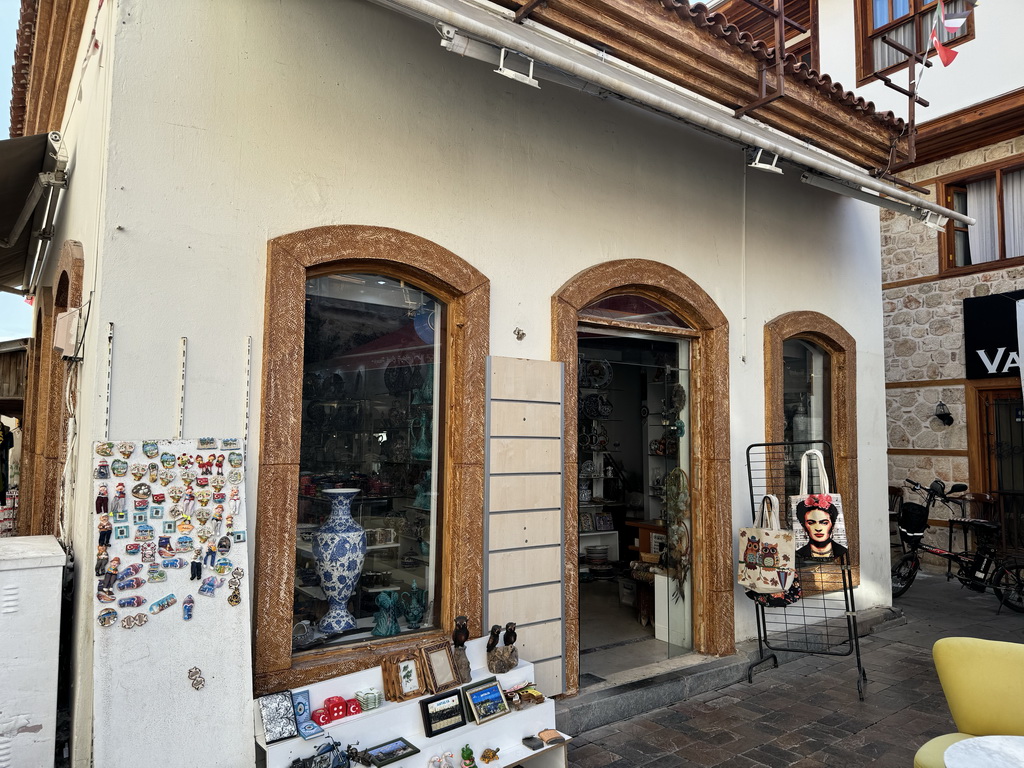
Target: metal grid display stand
<point>824,620</point>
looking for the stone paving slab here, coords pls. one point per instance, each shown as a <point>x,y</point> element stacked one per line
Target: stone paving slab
<point>806,713</point>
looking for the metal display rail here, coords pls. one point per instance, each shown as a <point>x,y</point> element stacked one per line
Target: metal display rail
<point>824,620</point>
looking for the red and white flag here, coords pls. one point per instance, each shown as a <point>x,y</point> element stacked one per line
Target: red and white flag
<point>953,22</point>
<point>946,55</point>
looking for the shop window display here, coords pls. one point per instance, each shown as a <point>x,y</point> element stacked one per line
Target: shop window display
<point>368,524</point>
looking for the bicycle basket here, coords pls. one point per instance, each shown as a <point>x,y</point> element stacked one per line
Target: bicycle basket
<point>912,522</point>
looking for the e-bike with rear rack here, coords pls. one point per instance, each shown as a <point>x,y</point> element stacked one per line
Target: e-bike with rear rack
<point>979,569</point>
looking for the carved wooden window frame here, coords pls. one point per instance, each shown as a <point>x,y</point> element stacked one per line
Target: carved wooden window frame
<point>842,349</point>
<point>465,291</point>
<point>714,621</point>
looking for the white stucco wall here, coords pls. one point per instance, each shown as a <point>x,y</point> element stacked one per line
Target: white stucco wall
<point>986,67</point>
<point>232,123</point>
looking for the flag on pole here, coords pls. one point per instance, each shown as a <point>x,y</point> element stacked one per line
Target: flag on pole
<point>946,55</point>
<point>952,22</point>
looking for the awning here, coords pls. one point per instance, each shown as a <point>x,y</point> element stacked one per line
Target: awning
<point>31,172</point>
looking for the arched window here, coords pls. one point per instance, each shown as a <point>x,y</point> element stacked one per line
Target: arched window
<point>373,377</point>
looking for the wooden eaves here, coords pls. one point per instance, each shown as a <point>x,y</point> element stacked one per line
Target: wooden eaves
<point>702,52</point>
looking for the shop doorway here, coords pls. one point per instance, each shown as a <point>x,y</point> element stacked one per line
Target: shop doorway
<point>633,493</point>
<point>1002,429</point>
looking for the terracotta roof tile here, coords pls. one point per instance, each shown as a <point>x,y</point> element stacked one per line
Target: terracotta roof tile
<point>22,66</point>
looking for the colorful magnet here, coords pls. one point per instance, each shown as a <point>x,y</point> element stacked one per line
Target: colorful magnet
<point>185,461</point>
<point>163,604</point>
<point>235,459</point>
<point>103,597</point>
<point>154,471</point>
<point>206,443</point>
<point>166,476</point>
<point>107,617</point>
<point>141,505</point>
<point>236,577</point>
<point>184,526</point>
<point>144,532</point>
<point>133,549</point>
<point>189,476</point>
<point>156,513</point>
<point>167,460</point>
<point>148,552</point>
<point>129,571</point>
<point>235,598</point>
<point>217,482</point>
<point>203,533</point>
<point>223,545</point>
<point>223,565</point>
<point>126,449</point>
<point>186,608</point>
<point>235,476</point>
<point>202,516</point>
<point>175,492</point>
<point>158,498</point>
<point>137,471</point>
<point>202,482</point>
<point>174,562</point>
<point>220,498</point>
<point>121,531</point>
<point>210,585</point>
<point>169,526</point>
<point>184,544</point>
<point>150,448</point>
<point>218,464</point>
<point>155,575</point>
<point>135,601</point>
<point>102,471</point>
<point>142,490</point>
<point>130,622</point>
<point>104,449</point>
<point>128,584</point>
<point>196,676</point>
<point>139,517</point>
<point>229,443</point>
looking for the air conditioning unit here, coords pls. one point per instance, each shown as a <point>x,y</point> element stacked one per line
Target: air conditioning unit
<point>65,332</point>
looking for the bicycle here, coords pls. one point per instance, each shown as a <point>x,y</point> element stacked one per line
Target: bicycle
<point>978,570</point>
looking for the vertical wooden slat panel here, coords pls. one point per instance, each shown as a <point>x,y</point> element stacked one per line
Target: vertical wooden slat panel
<point>523,471</point>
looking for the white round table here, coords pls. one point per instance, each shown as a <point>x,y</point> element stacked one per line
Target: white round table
<point>986,752</point>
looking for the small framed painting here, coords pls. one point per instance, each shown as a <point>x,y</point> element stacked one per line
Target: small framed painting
<point>442,713</point>
<point>403,677</point>
<point>390,752</point>
<point>485,700</point>
<point>439,666</point>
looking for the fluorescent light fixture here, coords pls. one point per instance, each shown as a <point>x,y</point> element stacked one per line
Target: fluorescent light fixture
<point>755,159</point>
<point>928,218</point>
<point>526,78</point>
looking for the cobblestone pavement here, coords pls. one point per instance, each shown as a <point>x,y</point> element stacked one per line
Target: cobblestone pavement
<point>806,713</point>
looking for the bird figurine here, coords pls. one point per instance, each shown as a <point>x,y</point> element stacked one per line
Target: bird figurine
<point>461,632</point>
<point>492,641</point>
<point>510,633</point>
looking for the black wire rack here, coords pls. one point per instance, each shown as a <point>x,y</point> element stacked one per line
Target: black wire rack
<point>824,620</point>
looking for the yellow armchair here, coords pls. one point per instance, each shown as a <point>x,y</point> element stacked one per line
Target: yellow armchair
<point>983,681</point>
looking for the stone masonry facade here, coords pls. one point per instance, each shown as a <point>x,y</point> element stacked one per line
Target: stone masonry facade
<point>924,331</point>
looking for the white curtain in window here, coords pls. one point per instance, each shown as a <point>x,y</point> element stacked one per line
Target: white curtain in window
<point>1013,213</point>
<point>884,55</point>
<point>981,204</point>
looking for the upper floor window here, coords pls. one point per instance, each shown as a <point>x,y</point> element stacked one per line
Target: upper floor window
<point>908,23</point>
<point>995,198</point>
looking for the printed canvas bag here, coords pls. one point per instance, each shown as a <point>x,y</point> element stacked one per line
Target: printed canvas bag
<point>825,502</point>
<point>766,552</point>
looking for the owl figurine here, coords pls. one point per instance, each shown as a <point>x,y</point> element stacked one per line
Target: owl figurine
<point>750,556</point>
<point>768,558</point>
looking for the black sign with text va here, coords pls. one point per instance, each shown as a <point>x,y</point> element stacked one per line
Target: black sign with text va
<point>990,335</point>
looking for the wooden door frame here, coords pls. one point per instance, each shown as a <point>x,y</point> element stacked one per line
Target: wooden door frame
<point>977,443</point>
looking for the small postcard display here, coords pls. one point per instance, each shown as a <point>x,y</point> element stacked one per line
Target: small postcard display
<point>170,530</point>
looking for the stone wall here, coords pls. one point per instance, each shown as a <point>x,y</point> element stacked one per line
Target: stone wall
<point>924,332</point>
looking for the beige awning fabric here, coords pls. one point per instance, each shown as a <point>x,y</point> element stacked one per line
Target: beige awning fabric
<point>27,182</point>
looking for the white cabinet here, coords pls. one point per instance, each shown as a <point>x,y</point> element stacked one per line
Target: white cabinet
<point>404,719</point>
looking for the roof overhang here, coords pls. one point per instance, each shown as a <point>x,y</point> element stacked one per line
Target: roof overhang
<point>486,31</point>
<point>32,171</point>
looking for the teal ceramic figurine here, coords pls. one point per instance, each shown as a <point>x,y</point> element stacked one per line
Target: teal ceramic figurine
<point>414,605</point>
<point>386,619</point>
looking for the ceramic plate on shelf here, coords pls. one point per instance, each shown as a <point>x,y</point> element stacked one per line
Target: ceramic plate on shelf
<point>592,406</point>
<point>587,468</point>
<point>599,372</point>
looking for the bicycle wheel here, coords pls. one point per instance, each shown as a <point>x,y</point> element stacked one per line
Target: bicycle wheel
<point>904,572</point>
<point>1008,586</point>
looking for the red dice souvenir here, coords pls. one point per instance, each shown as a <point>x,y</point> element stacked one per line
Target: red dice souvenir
<point>354,707</point>
<point>336,707</point>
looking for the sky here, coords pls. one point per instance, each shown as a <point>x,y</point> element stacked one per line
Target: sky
<point>15,314</point>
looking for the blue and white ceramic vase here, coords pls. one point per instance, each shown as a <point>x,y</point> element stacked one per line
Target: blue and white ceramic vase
<point>339,547</point>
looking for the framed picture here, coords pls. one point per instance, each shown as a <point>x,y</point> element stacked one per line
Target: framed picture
<point>390,751</point>
<point>156,513</point>
<point>403,677</point>
<point>121,531</point>
<point>138,518</point>
<point>603,521</point>
<point>442,713</point>
<point>169,526</point>
<point>586,521</point>
<point>439,666</point>
<point>658,543</point>
<point>485,700</point>
<point>278,716</point>
<point>238,536</point>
